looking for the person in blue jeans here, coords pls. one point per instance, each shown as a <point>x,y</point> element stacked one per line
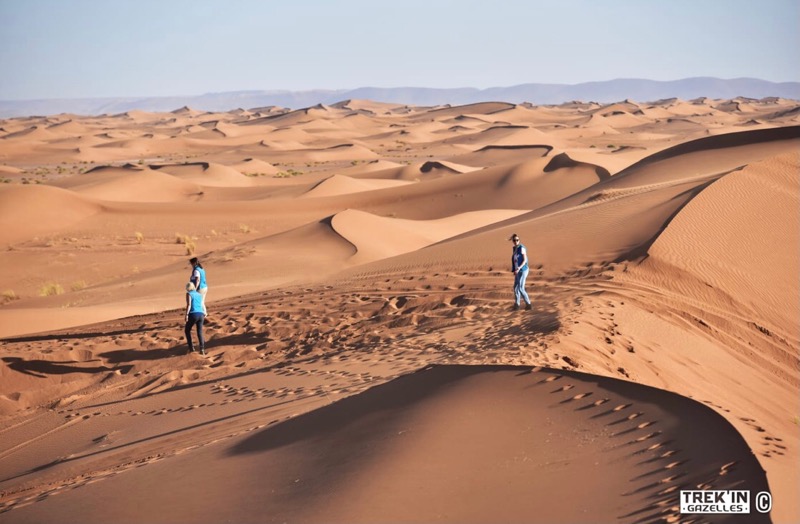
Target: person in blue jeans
<point>519,266</point>
<point>198,278</point>
<point>195,316</point>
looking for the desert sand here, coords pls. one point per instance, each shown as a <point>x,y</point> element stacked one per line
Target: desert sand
<point>364,361</point>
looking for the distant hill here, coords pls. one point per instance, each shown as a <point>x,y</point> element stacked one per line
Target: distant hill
<point>540,94</point>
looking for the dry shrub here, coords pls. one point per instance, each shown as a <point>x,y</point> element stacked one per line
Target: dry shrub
<point>51,289</point>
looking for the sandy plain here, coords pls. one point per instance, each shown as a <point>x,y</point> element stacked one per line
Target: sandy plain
<point>364,363</point>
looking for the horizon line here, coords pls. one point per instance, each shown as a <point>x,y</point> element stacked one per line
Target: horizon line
<point>344,90</point>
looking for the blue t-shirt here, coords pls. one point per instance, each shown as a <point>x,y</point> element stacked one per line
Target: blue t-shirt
<point>199,277</point>
<point>517,258</point>
<point>196,302</point>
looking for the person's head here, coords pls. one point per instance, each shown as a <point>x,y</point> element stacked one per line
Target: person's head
<point>194,262</point>
<point>514,238</point>
<point>190,286</point>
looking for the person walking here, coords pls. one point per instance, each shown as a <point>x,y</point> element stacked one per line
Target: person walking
<point>198,278</point>
<point>519,266</point>
<point>194,317</point>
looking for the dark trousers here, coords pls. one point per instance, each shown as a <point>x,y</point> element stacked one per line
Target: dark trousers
<point>195,319</point>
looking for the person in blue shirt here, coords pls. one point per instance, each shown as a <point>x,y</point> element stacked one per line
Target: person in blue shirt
<point>194,317</point>
<point>198,278</point>
<point>519,266</point>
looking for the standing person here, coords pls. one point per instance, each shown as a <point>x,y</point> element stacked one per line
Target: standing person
<point>194,317</point>
<point>198,278</point>
<point>519,266</point>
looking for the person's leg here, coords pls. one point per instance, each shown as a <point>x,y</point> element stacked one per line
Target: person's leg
<point>517,277</point>
<point>201,340</point>
<point>522,278</point>
<point>188,331</point>
<point>203,292</point>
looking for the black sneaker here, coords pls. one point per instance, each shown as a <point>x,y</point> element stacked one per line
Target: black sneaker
<point>516,307</point>
<point>528,306</point>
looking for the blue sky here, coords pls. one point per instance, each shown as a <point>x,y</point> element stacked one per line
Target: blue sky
<point>106,48</point>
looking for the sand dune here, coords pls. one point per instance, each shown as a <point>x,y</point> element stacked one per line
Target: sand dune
<point>409,437</point>
<point>746,266</point>
<point>36,210</point>
<point>255,166</point>
<point>377,238</point>
<point>364,361</point>
<point>131,184</point>
<point>206,174</point>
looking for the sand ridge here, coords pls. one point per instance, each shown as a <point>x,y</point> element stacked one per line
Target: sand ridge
<point>359,311</point>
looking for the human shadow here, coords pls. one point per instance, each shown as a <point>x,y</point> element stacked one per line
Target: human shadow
<point>541,319</point>
<point>119,356</point>
<point>43,368</point>
<point>73,336</point>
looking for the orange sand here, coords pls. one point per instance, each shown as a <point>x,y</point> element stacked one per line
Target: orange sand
<point>364,363</point>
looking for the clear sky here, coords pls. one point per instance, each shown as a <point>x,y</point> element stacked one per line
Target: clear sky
<point>109,48</point>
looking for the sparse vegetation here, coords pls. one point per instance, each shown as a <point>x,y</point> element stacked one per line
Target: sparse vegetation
<point>78,285</point>
<point>244,228</point>
<point>51,289</point>
<point>139,237</point>
<point>9,295</point>
<point>190,247</point>
<point>287,174</point>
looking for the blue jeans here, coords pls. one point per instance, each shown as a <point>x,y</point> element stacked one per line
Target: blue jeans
<point>519,286</point>
<point>195,319</point>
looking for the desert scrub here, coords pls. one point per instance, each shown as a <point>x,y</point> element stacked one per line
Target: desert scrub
<point>190,246</point>
<point>51,289</point>
<point>287,174</point>
<point>182,239</point>
<point>244,228</point>
<point>9,295</point>
<point>139,237</point>
<point>78,285</point>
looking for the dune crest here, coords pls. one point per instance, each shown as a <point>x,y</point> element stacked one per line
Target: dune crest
<point>343,185</point>
<point>378,238</point>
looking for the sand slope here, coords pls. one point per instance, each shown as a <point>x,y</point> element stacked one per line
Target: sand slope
<point>364,362</point>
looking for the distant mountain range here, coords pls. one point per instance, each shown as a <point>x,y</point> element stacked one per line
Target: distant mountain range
<point>539,94</point>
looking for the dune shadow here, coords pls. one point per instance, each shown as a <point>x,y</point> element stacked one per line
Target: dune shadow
<point>363,414</point>
<point>328,445</point>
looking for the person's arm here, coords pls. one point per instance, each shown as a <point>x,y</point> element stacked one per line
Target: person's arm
<point>188,305</point>
<point>524,257</point>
